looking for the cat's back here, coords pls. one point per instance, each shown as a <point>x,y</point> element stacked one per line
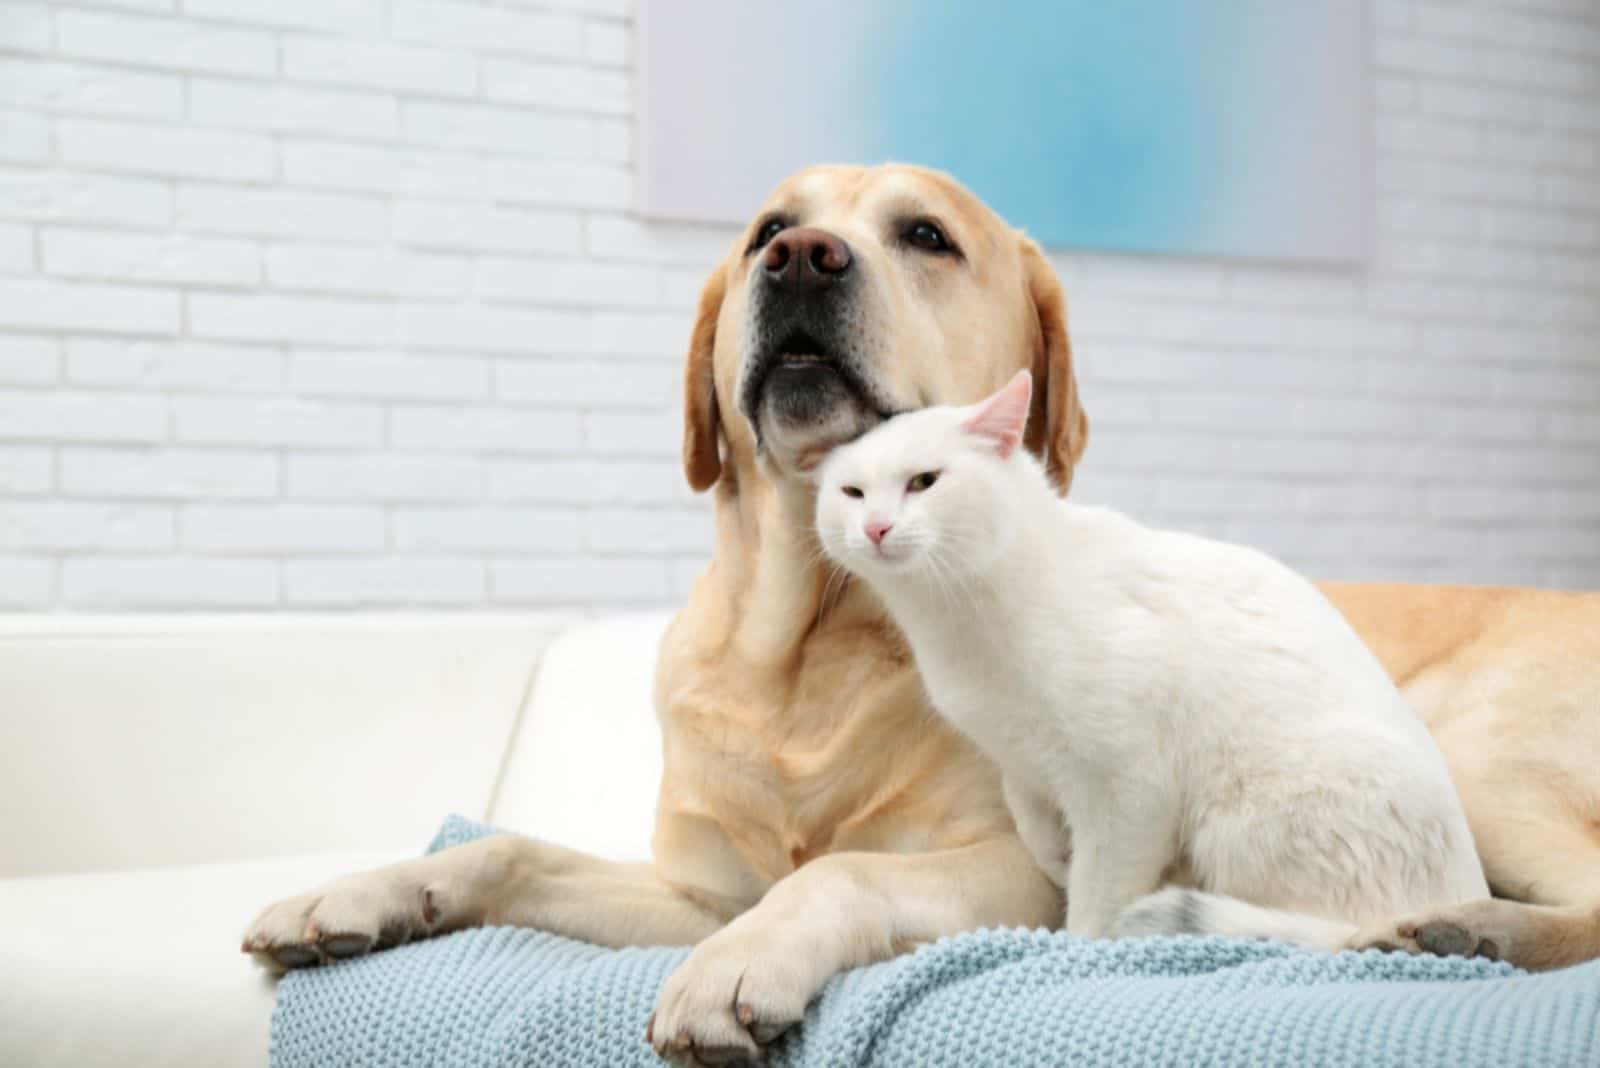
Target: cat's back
<point>1220,609</point>
<point>1170,574</point>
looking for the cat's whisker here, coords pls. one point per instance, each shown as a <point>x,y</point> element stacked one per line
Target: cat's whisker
<point>837,579</point>
<point>962,578</point>
<point>818,552</point>
<point>946,575</point>
<point>836,574</point>
<point>960,588</point>
<point>935,573</point>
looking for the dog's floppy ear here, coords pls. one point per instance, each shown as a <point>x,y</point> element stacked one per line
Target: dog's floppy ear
<point>1058,430</point>
<point>702,460</point>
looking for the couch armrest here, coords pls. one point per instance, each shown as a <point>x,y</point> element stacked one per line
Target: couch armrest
<point>584,767</point>
<point>137,741</point>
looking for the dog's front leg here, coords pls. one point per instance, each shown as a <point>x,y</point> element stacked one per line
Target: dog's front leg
<point>749,982</point>
<point>505,879</point>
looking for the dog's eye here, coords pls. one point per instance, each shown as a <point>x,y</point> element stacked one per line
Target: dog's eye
<point>922,481</point>
<point>853,491</point>
<point>769,230</point>
<point>927,236</point>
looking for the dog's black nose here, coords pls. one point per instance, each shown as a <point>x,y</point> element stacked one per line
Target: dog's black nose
<point>804,257</point>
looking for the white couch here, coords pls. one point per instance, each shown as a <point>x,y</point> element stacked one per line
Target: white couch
<point>163,778</point>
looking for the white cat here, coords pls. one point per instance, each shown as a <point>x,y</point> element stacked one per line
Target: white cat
<point>1166,710</point>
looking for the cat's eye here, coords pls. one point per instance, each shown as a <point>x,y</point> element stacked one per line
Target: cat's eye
<point>922,481</point>
<point>853,491</point>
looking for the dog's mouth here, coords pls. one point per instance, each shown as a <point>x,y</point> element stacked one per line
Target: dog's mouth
<point>800,347</point>
<point>798,379</point>
<point>797,352</point>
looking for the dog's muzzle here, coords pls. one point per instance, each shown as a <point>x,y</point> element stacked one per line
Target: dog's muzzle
<point>806,379</point>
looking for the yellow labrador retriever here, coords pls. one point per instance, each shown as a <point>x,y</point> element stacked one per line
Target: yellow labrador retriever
<point>814,815</point>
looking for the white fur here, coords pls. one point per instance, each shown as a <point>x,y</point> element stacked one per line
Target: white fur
<point>1195,712</point>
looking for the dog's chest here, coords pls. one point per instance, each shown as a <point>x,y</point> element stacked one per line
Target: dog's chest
<point>842,754</point>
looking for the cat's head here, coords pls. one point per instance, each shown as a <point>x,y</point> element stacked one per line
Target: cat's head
<point>929,493</point>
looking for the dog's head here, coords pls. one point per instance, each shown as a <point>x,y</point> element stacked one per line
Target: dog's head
<point>859,292</point>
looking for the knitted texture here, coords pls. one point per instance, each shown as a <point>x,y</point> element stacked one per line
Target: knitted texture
<point>495,997</point>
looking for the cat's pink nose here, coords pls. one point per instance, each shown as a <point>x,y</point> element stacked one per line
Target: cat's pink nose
<point>877,530</point>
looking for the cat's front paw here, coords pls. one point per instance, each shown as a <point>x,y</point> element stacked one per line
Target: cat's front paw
<point>346,918</point>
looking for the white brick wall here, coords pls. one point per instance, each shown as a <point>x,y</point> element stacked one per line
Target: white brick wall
<point>333,303</point>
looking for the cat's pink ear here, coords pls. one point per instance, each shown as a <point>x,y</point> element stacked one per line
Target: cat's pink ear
<point>1001,418</point>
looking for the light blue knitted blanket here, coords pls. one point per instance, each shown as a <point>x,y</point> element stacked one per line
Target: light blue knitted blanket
<point>501,997</point>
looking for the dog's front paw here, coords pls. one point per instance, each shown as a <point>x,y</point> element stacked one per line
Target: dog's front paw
<point>1475,929</point>
<point>346,918</point>
<point>734,995</point>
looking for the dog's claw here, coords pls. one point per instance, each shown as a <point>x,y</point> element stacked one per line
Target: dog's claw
<point>429,912</point>
<point>295,956</point>
<point>768,1032</point>
<point>348,945</point>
